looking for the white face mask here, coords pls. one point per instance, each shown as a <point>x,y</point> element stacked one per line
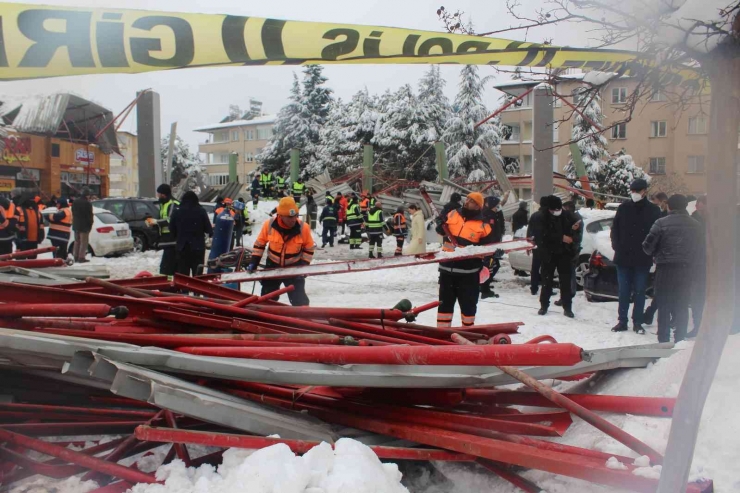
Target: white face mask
<point>557,212</point>
<point>636,197</point>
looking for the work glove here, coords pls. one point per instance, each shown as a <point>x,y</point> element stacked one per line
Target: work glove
<point>251,267</point>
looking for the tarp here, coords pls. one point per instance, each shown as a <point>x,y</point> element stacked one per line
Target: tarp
<point>40,41</point>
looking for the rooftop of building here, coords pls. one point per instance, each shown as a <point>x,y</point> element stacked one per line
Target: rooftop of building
<point>260,120</point>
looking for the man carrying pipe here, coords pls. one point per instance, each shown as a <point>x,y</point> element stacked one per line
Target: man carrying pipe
<point>459,280</point>
<point>289,243</point>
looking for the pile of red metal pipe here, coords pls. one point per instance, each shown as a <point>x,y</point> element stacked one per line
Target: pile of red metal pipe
<point>199,317</point>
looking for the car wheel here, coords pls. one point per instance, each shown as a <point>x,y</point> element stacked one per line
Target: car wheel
<point>139,243</point>
<point>581,271</point>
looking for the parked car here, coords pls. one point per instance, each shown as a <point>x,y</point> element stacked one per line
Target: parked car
<point>595,221</point>
<point>109,235</point>
<point>135,212</point>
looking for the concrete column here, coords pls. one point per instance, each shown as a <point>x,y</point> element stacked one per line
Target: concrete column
<point>148,128</point>
<point>233,160</point>
<point>368,157</point>
<point>543,120</point>
<point>442,173</point>
<point>295,165</point>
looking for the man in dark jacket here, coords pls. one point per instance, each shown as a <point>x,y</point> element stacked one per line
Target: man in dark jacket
<point>495,219</point>
<point>699,284</point>
<point>520,217</point>
<point>534,232</point>
<point>190,224</point>
<point>82,223</point>
<point>574,218</point>
<point>674,242</point>
<point>631,225</point>
<point>554,245</point>
<point>328,219</point>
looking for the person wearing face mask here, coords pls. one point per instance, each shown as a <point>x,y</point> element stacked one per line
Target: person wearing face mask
<point>554,245</point>
<point>289,243</point>
<point>661,200</point>
<point>631,225</point>
<point>459,280</point>
<point>167,240</point>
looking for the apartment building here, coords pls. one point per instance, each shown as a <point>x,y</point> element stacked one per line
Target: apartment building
<point>124,168</point>
<point>246,138</point>
<point>664,141</point>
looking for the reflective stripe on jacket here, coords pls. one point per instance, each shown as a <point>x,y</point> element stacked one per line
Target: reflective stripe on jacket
<point>285,248</point>
<point>375,221</point>
<point>465,232</point>
<point>354,216</point>
<point>60,229</point>
<point>399,224</point>
<point>298,188</point>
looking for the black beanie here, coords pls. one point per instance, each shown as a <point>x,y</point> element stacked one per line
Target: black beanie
<point>554,203</point>
<point>164,189</point>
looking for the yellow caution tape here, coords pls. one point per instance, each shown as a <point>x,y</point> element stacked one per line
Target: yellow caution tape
<point>41,41</point>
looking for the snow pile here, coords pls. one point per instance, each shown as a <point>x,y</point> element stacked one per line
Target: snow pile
<point>350,467</point>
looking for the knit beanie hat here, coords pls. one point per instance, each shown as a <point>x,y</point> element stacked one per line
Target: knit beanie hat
<point>287,207</point>
<point>477,198</point>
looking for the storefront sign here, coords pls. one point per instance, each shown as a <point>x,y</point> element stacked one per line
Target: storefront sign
<point>17,149</point>
<point>28,175</point>
<point>7,183</point>
<point>84,156</point>
<point>79,178</point>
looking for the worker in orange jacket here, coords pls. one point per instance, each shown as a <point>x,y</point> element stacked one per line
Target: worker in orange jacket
<point>364,204</point>
<point>400,229</point>
<point>29,225</point>
<point>289,243</point>
<point>39,205</point>
<point>60,227</point>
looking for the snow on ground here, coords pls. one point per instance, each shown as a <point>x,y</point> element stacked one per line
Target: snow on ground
<point>716,451</point>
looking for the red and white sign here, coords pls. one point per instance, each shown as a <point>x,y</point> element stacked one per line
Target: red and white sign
<point>84,156</point>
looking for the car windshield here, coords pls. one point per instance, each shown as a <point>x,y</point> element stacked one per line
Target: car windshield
<point>107,218</point>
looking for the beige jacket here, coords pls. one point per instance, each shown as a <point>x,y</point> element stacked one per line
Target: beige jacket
<point>418,243</point>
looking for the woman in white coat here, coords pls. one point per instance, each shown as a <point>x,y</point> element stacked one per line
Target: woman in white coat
<point>418,243</point>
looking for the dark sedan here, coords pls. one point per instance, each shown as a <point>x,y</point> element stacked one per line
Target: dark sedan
<point>601,284</point>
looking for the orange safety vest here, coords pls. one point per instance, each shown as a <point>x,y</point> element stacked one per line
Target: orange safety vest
<point>29,227</point>
<point>399,223</point>
<point>60,230</point>
<point>364,204</point>
<point>466,233</point>
<point>284,251</point>
<point>221,209</point>
<point>4,213</point>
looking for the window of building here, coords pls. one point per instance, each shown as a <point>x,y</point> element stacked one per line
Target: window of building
<point>249,157</point>
<point>235,136</point>
<point>512,133</point>
<point>221,158</point>
<point>619,131</point>
<point>697,125</point>
<point>527,132</point>
<point>55,150</point>
<point>657,165</point>
<point>248,134</point>
<point>696,164</point>
<point>658,129</point>
<point>555,163</point>
<point>527,165</point>
<point>218,179</point>
<point>619,95</point>
<point>658,97</point>
<point>264,133</point>
<point>511,165</point>
<point>220,137</point>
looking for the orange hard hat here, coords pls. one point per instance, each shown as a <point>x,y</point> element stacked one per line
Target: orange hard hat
<point>228,201</point>
<point>37,199</point>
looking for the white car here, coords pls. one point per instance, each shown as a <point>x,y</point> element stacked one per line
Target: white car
<point>594,220</point>
<point>109,235</point>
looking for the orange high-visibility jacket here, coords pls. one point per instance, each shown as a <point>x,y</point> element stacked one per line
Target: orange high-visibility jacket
<point>285,247</point>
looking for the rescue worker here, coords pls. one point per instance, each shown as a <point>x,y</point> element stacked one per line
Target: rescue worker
<point>167,242</point>
<point>400,229</point>
<point>280,186</point>
<point>364,204</point>
<point>247,226</point>
<point>355,223</point>
<point>30,226</point>
<point>7,226</point>
<point>328,196</point>
<point>374,228</point>
<point>312,210</point>
<point>329,218</point>
<point>341,202</point>
<point>228,206</point>
<point>495,219</point>
<point>238,233</point>
<point>298,189</point>
<point>39,204</point>
<point>255,191</point>
<point>289,243</point>
<point>454,203</point>
<point>265,181</point>
<point>459,280</point>
<point>60,228</point>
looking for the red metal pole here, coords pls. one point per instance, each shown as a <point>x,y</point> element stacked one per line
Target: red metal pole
<point>78,458</point>
<point>58,323</point>
<point>33,264</point>
<point>520,355</point>
<point>374,330</point>
<point>180,449</point>
<point>49,411</point>
<point>27,253</point>
<point>323,313</point>
<point>495,113</point>
<point>423,308</point>
<point>117,288</point>
<point>297,446</point>
<point>430,331</point>
<point>262,299</point>
<point>595,420</point>
<point>207,288</point>
<point>643,406</point>
<point>414,397</point>
<point>73,429</point>
<point>49,310</point>
<point>543,338</point>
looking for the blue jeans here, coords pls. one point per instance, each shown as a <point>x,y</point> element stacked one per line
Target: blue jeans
<point>632,280</point>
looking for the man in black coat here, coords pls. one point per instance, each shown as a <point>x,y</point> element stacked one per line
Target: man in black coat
<point>495,219</point>
<point>520,217</point>
<point>190,224</point>
<point>699,285</point>
<point>554,245</point>
<point>574,218</point>
<point>631,225</point>
<point>534,232</point>
<point>82,223</point>
<point>674,242</point>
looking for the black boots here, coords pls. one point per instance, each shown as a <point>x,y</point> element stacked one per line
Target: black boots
<point>569,313</point>
<point>638,329</point>
<point>542,311</point>
<point>620,327</point>
<point>371,255</point>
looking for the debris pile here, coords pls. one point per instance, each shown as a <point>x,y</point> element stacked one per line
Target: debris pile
<point>189,361</point>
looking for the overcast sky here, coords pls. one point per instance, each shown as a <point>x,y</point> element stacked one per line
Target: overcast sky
<point>196,97</point>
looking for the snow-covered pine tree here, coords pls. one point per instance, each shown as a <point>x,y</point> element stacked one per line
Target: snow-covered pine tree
<point>290,130</point>
<point>403,137</point>
<point>465,143</point>
<point>593,145</point>
<point>433,102</point>
<point>615,176</point>
<point>183,161</point>
<point>316,105</point>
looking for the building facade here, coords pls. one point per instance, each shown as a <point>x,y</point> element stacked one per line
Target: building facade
<point>667,143</point>
<point>245,138</point>
<point>52,166</point>
<point>124,168</point>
